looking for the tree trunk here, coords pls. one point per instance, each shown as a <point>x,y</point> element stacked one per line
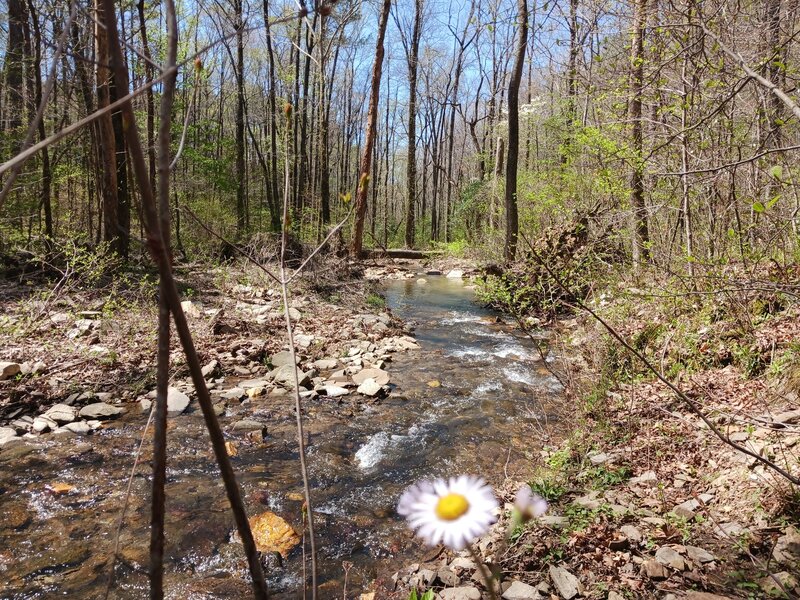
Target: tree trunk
<point>512,222</point>
<point>641,235</point>
<point>411,168</point>
<point>275,218</point>
<point>241,217</point>
<point>357,242</point>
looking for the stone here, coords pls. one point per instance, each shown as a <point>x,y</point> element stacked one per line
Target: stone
<point>787,549</point>
<point>209,369</point>
<point>422,578</point>
<point>380,376</point>
<point>687,509</point>
<point>190,309</point>
<point>521,591</point>
<point>455,274</point>
<point>589,501</point>
<point>232,394</point>
<point>669,557</point>
<point>554,521</point>
<point>303,340</point>
<point>566,583</point>
<point>7,434</point>
<point>460,593</point>
<point>42,424</point>
<point>632,533</point>
<point>729,529</point>
<point>61,414</point>
<point>448,577</point>
<point>612,595</point>
<point>620,543</point>
<point>283,358</point>
<point>177,401</point>
<point>462,563</point>
<point>285,376</point>
<point>789,417</point>
<point>370,387</point>
<point>599,459</point>
<point>647,478</point>
<point>699,555</point>
<point>326,364</point>
<point>705,596</point>
<point>273,534</point>
<point>9,370</point>
<point>101,411</point>
<point>251,383</point>
<point>79,427</point>
<point>654,570</point>
<point>334,391</point>
<point>771,587</point>
<point>248,425</point>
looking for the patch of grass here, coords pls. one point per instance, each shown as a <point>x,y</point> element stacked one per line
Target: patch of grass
<point>602,477</point>
<point>548,488</point>
<point>580,517</point>
<point>375,301</point>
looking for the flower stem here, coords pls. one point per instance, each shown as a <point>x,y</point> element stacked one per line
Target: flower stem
<point>488,579</point>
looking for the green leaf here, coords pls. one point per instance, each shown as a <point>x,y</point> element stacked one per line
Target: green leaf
<point>758,207</point>
<point>429,595</point>
<point>773,201</point>
<point>776,172</point>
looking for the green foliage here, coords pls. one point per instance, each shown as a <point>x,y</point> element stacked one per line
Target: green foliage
<point>549,488</point>
<point>429,595</point>
<point>375,301</point>
<point>602,477</point>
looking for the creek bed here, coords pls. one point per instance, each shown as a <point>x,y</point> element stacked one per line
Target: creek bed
<point>474,399</point>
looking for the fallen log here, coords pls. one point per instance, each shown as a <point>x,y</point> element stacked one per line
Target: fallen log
<point>401,253</point>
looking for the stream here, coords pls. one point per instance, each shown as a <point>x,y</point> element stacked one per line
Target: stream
<point>475,399</point>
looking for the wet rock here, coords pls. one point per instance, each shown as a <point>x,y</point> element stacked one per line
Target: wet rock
<point>285,376</point>
<point>61,414</point>
<point>255,392</point>
<point>334,391</point>
<point>380,376</point>
<point>669,557</point>
<point>370,387</point>
<point>273,534</point>
<point>9,370</point>
<point>177,401</point>
<point>455,274</point>
<point>101,411</point>
<point>687,509</point>
<point>654,570</point>
<point>422,281</point>
<point>79,427</point>
<point>42,424</point>
<point>632,533</point>
<point>283,358</point>
<point>699,555</point>
<point>7,434</point>
<point>771,587</point>
<point>460,593</point>
<point>521,591</point>
<point>787,549</point>
<point>448,577</point>
<point>15,516</point>
<point>248,425</point>
<point>567,585</point>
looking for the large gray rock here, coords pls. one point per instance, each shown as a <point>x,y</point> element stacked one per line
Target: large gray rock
<point>669,557</point>
<point>787,549</point>
<point>460,593</point>
<point>79,427</point>
<point>521,591</point>
<point>9,370</point>
<point>326,364</point>
<point>567,585</point>
<point>699,555</point>
<point>61,413</point>
<point>370,387</point>
<point>283,358</point>
<point>7,434</point>
<point>101,411</point>
<point>285,376</point>
<point>380,376</point>
<point>334,391</point>
<point>177,401</point>
<point>42,424</point>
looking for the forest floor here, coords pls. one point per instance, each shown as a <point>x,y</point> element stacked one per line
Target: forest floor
<point>645,500</point>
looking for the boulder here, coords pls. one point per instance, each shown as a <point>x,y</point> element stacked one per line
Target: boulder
<point>380,376</point>
<point>61,414</point>
<point>7,434</point>
<point>460,593</point>
<point>283,358</point>
<point>273,534</point>
<point>177,401</point>
<point>9,370</point>
<point>285,376</point>
<point>42,424</point>
<point>79,427</point>
<point>334,391</point>
<point>101,411</point>
<point>370,387</point>
<point>567,585</point>
<point>326,364</point>
<point>521,591</point>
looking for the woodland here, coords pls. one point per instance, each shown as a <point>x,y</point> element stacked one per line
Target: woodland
<point>197,195</point>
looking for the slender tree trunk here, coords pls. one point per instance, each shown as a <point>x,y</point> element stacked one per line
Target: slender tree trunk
<point>275,219</point>
<point>512,222</point>
<point>369,141</point>
<point>148,69</point>
<point>641,235</point>
<point>411,168</point>
<point>241,216</point>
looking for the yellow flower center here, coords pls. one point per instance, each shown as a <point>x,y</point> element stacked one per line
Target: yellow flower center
<point>451,507</point>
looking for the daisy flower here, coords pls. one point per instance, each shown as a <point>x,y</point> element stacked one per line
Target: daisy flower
<point>453,512</point>
<point>528,504</point>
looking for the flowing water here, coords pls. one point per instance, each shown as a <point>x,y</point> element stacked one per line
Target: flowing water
<point>475,399</point>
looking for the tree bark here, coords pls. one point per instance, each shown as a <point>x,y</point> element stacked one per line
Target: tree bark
<point>412,56</point>
<point>641,235</point>
<point>512,220</point>
<point>357,242</point>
